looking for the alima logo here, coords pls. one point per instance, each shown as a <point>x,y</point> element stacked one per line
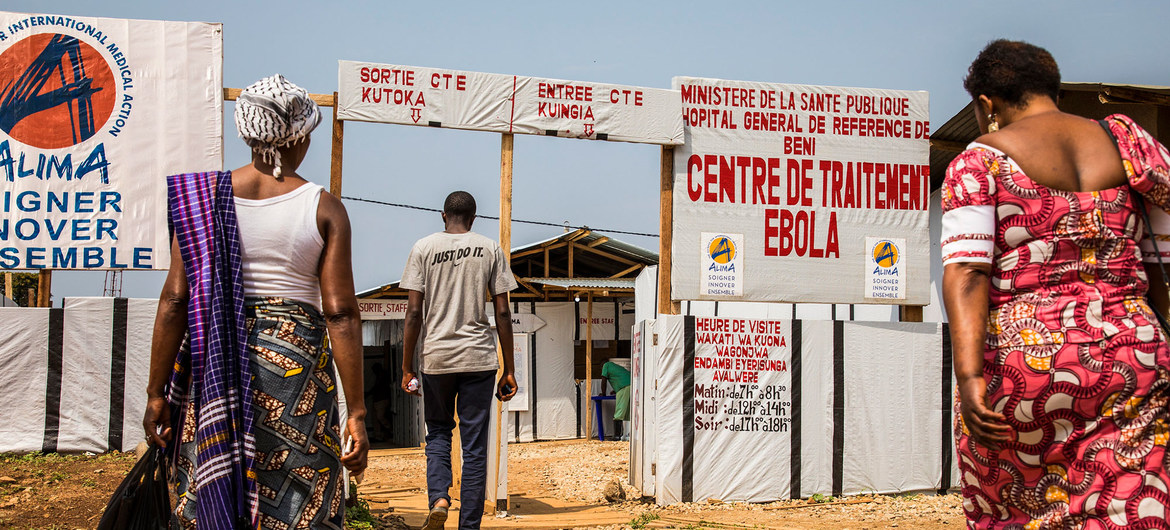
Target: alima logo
<point>55,91</point>
<point>885,254</point>
<point>721,249</point>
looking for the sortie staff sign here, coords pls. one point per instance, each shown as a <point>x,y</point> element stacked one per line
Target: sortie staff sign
<point>94,114</point>
<point>435,97</point>
<point>798,177</point>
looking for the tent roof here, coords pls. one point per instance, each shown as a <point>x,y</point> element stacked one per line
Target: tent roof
<point>558,267</point>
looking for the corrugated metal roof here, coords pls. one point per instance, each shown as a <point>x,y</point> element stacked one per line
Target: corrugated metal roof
<point>585,283</point>
<point>952,138</point>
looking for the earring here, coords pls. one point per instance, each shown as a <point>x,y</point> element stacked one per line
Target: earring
<point>992,123</point>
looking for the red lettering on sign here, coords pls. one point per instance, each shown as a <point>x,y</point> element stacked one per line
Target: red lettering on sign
<point>387,76</point>
<point>797,233</point>
<point>443,81</point>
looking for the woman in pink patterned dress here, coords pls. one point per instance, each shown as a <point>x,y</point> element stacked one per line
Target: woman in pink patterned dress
<point>1063,375</point>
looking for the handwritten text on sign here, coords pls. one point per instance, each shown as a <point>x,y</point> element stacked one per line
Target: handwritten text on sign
<point>411,95</point>
<point>806,173</point>
<point>741,375</point>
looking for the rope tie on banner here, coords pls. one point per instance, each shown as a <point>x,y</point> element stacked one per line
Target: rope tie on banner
<point>540,223</point>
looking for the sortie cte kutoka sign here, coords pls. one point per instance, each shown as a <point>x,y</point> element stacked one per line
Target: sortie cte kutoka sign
<point>796,193</point>
<point>94,114</point>
<point>435,97</point>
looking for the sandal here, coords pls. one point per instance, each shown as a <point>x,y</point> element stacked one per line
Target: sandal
<point>437,519</point>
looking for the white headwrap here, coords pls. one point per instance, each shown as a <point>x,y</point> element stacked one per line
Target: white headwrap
<point>273,113</point>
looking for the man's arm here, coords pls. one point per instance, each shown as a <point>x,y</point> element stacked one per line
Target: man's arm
<point>414,303</point>
<point>504,331</point>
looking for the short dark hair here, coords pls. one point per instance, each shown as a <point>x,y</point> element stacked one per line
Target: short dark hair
<point>1013,71</point>
<point>460,204</point>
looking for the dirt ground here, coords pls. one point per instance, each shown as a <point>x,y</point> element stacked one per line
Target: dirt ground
<point>553,485</point>
<point>58,491</point>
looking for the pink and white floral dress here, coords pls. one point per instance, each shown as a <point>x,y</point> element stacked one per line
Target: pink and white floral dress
<point>1073,357</point>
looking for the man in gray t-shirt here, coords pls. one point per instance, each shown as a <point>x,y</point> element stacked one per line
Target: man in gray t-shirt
<point>447,276</point>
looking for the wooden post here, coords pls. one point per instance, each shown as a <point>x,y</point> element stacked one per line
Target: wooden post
<point>911,313</point>
<point>589,366</point>
<point>666,231</point>
<point>44,288</point>
<point>336,152</point>
<point>8,285</point>
<point>506,143</point>
<point>506,147</point>
<point>571,247</point>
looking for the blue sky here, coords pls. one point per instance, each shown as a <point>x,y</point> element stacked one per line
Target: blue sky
<point>889,44</point>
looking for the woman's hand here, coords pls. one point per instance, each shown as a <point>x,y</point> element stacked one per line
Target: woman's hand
<point>987,427</point>
<point>355,459</point>
<point>158,414</point>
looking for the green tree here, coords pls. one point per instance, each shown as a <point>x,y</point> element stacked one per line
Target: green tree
<point>21,283</point>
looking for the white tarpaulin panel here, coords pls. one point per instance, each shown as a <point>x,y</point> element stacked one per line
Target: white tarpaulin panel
<point>649,408</point>
<point>85,414</point>
<point>522,364</point>
<point>862,407</point>
<point>668,479</point>
<point>638,402</point>
<point>610,321</point>
<point>815,399</point>
<point>436,97</point>
<point>77,375</point>
<point>892,395</point>
<point>789,181</point>
<point>552,410</point>
<point>24,347</point>
<point>94,114</point>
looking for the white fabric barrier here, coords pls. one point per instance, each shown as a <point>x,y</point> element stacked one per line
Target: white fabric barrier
<point>76,375</point>
<point>862,408</point>
<point>643,406</point>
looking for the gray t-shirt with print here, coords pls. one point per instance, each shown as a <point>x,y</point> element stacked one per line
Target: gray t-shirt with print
<point>453,272</point>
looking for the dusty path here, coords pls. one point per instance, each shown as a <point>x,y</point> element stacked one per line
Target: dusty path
<point>560,485</point>
<point>553,485</point>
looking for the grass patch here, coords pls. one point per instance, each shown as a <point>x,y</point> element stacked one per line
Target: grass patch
<point>357,514</point>
<point>818,498</point>
<point>642,520</point>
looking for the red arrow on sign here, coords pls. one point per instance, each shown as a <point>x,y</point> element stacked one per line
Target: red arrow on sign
<point>588,129</point>
<point>416,114</point>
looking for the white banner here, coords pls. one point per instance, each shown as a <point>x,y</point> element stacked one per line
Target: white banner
<point>94,114</point>
<point>805,174</point>
<point>382,309</point>
<point>435,97</point>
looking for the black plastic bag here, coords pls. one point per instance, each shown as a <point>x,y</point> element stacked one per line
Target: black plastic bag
<point>141,501</point>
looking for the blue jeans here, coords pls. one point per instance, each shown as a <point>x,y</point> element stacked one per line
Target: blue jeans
<point>474,391</point>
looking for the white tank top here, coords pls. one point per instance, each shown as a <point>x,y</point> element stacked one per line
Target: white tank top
<point>282,245</point>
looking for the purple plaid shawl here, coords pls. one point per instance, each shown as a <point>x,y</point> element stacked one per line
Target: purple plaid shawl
<point>216,373</point>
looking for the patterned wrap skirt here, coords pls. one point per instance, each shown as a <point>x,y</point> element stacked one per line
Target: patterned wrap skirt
<point>1088,442</point>
<point>297,428</point>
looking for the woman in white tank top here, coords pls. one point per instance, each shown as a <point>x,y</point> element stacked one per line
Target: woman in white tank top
<point>297,283</point>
